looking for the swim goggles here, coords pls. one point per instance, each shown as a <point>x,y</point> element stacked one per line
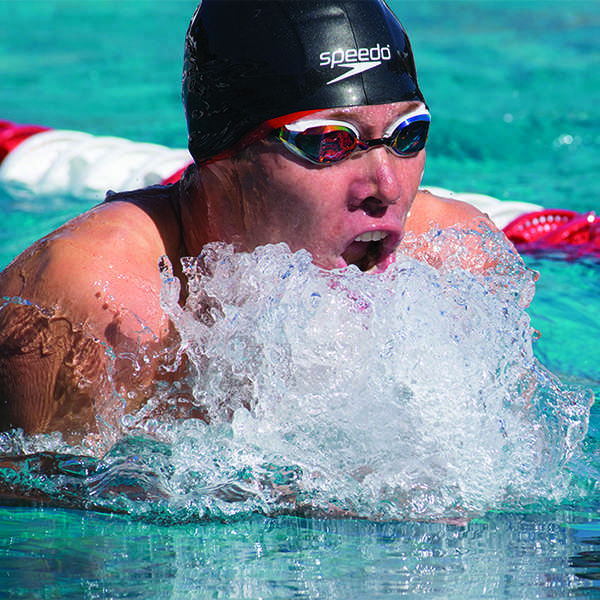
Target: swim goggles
<point>323,141</point>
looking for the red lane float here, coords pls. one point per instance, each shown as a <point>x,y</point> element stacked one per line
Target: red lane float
<point>554,230</point>
<point>11,135</point>
<point>37,160</point>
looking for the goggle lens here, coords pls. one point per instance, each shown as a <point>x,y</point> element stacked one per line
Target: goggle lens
<point>411,138</point>
<point>326,144</point>
<point>332,142</point>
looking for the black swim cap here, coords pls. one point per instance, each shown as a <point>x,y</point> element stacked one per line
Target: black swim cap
<point>249,61</point>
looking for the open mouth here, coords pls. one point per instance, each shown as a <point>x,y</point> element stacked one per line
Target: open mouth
<point>368,251</point>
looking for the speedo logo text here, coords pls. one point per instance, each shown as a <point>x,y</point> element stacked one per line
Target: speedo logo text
<point>358,60</point>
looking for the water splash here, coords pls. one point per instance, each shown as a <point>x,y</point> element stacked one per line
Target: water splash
<point>413,393</point>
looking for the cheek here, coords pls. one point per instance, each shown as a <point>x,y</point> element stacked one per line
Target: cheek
<point>410,170</point>
<point>409,175</point>
<point>298,199</point>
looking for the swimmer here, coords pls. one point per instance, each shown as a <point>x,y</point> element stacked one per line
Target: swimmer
<point>307,126</point>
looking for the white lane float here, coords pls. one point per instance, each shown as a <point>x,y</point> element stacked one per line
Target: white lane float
<point>37,160</point>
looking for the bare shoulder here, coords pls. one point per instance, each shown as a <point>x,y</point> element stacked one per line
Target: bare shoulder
<point>99,270</point>
<point>91,284</point>
<point>428,210</point>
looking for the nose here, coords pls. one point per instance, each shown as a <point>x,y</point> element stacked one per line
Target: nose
<point>382,179</point>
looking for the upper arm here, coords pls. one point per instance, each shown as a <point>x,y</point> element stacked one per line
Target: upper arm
<point>51,373</point>
<point>74,300</point>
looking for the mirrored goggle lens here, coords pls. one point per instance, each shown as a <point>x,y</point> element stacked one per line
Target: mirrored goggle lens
<point>325,144</point>
<point>410,139</point>
<point>329,143</point>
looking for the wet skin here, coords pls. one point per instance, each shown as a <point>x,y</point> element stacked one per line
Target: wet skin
<point>94,284</point>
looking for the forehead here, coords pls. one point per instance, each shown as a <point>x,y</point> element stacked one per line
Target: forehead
<point>380,114</point>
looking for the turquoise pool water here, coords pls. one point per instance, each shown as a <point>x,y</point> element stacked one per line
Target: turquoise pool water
<point>513,87</point>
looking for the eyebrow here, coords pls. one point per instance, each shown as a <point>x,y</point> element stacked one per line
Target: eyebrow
<point>344,113</point>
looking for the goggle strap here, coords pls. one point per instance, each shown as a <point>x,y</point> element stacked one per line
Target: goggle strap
<point>260,133</point>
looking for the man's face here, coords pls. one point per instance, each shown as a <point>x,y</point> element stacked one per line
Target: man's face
<point>350,212</point>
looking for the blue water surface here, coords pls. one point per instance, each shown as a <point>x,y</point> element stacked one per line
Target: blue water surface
<point>513,88</point>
